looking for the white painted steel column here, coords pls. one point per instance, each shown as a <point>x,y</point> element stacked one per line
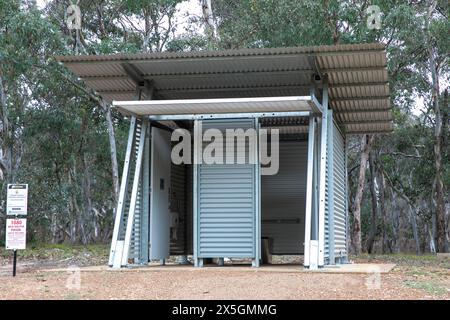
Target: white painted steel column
<point>331,258</point>
<point>145,217</point>
<point>134,191</point>
<point>197,157</point>
<point>257,171</point>
<point>115,248</point>
<point>309,190</point>
<point>322,177</point>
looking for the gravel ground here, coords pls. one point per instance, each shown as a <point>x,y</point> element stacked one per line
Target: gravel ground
<point>414,277</point>
<point>211,283</point>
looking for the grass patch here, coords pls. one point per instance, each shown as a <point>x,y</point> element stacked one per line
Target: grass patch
<point>59,252</point>
<point>404,259</point>
<point>418,272</point>
<point>427,286</point>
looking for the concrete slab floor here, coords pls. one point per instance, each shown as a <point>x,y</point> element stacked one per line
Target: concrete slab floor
<point>344,268</point>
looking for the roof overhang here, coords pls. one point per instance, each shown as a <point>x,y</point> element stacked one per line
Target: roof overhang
<point>192,107</point>
<point>357,78</point>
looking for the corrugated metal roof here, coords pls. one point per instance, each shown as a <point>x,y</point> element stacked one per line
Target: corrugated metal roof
<point>357,76</point>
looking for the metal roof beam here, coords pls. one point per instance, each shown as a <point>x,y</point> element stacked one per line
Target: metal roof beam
<point>163,91</point>
<point>231,72</point>
<point>183,124</point>
<point>148,89</point>
<point>316,105</point>
<point>312,60</point>
<point>230,115</point>
<point>133,73</point>
<point>234,88</point>
<point>160,125</point>
<point>201,74</point>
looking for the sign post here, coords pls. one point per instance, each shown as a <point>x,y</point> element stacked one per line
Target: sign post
<point>16,205</point>
<point>14,262</point>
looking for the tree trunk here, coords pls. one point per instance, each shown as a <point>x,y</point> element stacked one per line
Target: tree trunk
<point>113,151</point>
<point>78,230</point>
<point>211,30</point>
<point>395,224</point>
<point>385,224</point>
<point>445,108</point>
<point>412,211</point>
<point>373,220</point>
<point>88,211</point>
<point>430,238</point>
<point>54,229</point>
<point>442,245</point>
<point>6,154</point>
<point>366,141</point>
<point>413,215</point>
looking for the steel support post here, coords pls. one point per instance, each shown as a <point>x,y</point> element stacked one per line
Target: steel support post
<point>145,214</point>
<point>331,258</point>
<point>322,174</point>
<point>116,244</point>
<point>134,194</point>
<point>309,189</point>
<point>257,172</point>
<point>197,157</point>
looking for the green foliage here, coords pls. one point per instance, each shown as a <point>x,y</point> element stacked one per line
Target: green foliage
<point>192,43</point>
<point>57,131</point>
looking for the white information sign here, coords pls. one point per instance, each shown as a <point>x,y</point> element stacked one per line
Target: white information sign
<point>17,199</point>
<point>16,234</point>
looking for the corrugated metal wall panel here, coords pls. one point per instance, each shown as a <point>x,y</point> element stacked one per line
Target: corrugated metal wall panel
<point>283,200</point>
<point>340,193</point>
<point>136,233</point>
<point>226,203</point>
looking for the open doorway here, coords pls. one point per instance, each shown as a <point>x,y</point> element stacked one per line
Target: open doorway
<point>171,222</point>
<point>283,195</point>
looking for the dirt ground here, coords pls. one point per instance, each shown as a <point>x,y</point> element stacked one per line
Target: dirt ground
<point>413,278</point>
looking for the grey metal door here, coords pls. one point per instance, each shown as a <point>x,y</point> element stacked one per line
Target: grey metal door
<point>159,198</point>
<point>226,202</point>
